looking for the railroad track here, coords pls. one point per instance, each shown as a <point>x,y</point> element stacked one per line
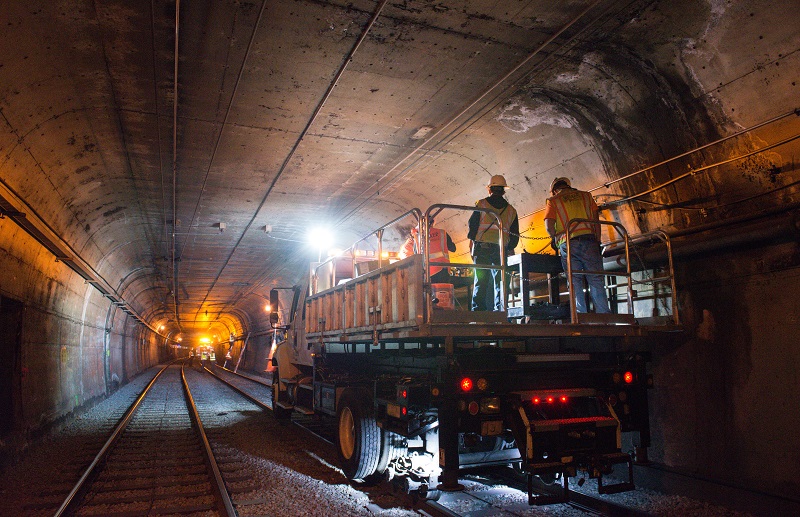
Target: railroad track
<point>157,461</point>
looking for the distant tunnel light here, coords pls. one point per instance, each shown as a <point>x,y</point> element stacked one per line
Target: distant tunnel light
<point>268,307</point>
<point>205,340</point>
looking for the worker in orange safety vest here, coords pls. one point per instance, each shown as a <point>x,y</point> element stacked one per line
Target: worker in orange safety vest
<point>567,204</point>
<point>439,246</point>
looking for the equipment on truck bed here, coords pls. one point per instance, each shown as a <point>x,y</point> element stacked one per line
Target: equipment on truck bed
<point>419,393</point>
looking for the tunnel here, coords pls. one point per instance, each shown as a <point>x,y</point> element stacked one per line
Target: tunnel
<point>163,164</point>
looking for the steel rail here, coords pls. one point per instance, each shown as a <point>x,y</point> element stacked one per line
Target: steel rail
<point>237,389</point>
<point>71,500</point>
<point>301,424</point>
<point>224,502</point>
<point>578,500</point>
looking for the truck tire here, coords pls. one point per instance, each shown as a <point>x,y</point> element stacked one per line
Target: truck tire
<point>358,435</point>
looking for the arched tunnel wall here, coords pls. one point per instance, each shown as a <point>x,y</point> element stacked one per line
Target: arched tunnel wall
<point>681,74</point>
<point>65,350</point>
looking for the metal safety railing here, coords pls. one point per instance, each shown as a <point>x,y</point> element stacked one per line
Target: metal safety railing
<point>424,247</point>
<point>657,236</point>
<point>630,283</point>
<point>353,251</point>
<point>571,272</point>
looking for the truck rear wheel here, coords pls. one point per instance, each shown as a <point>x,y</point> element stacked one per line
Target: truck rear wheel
<point>358,436</point>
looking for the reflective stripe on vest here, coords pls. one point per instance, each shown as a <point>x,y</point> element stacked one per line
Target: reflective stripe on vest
<point>488,230</point>
<point>573,204</point>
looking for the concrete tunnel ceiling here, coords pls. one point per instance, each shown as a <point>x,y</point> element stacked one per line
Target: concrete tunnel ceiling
<point>191,199</point>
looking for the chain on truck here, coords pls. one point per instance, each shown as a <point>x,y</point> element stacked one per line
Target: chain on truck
<point>420,389</point>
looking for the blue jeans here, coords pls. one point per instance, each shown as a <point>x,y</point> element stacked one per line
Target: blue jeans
<point>586,257</point>
<point>486,286</point>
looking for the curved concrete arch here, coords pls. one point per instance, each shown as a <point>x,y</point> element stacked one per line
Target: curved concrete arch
<point>119,151</point>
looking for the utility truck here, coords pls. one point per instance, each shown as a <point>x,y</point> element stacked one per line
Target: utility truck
<point>419,392</point>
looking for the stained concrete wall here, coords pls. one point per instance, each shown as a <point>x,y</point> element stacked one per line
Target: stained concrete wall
<point>725,398</point>
<point>66,358</point>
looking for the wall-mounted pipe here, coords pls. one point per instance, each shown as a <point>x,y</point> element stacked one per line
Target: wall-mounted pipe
<point>775,225</point>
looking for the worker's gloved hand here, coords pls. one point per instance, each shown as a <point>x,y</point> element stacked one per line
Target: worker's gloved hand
<point>553,244</point>
<point>509,252</point>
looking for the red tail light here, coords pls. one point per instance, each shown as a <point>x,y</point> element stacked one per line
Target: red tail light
<point>628,377</point>
<point>466,384</point>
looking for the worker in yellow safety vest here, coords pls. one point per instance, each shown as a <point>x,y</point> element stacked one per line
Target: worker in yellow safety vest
<point>439,246</point>
<point>567,204</point>
<point>484,232</point>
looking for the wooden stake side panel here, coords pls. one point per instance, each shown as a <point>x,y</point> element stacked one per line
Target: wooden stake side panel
<point>390,298</point>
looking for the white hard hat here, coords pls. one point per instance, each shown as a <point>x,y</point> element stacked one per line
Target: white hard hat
<point>498,180</point>
<point>556,181</point>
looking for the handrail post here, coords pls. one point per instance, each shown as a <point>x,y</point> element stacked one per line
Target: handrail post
<point>379,235</point>
<point>573,309</point>
<point>423,244</point>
